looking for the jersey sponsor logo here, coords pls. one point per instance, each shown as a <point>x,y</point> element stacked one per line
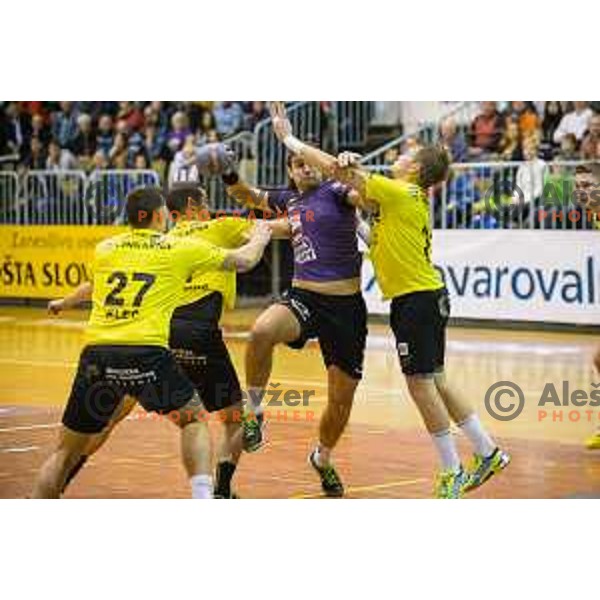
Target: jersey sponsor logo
<point>130,375</point>
<point>302,309</point>
<point>304,251</point>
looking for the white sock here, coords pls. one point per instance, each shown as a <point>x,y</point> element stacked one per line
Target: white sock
<point>446,447</point>
<point>255,396</point>
<point>322,456</point>
<point>484,445</point>
<point>202,487</point>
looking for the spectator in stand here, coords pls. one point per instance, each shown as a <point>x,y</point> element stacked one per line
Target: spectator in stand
<point>131,114</point>
<point>553,115</point>
<point>486,132</point>
<point>194,112</point>
<point>183,158</point>
<point>568,148</point>
<point>99,162</point>
<point>17,128</point>
<point>530,176</point>
<point>163,115</point>
<point>526,116</point>
<point>179,132</point>
<point>36,157</point>
<point>105,138</point>
<point>64,125</point>
<point>155,141</point>
<point>84,144</point>
<point>228,118</point>
<point>453,140</point>
<point>207,124</point>
<point>140,162</point>
<point>40,129</point>
<point>511,143</point>
<point>576,123</point>
<point>258,112</point>
<point>59,158</point>
<point>591,142</point>
<point>136,143</point>
<point>118,152</point>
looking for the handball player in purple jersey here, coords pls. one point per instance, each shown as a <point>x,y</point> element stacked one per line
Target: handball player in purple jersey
<point>324,302</point>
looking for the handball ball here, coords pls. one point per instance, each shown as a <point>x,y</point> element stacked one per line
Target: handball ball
<point>214,159</point>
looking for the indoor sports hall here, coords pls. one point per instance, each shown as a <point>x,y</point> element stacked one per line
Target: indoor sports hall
<point>517,251</point>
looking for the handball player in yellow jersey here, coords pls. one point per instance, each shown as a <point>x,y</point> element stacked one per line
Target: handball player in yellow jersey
<point>401,254</point>
<point>138,278</point>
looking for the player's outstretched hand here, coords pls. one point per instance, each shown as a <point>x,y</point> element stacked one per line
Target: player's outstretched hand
<point>347,160</point>
<point>55,307</point>
<point>281,124</point>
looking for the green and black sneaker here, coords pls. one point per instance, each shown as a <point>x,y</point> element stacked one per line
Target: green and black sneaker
<point>330,481</point>
<point>252,432</point>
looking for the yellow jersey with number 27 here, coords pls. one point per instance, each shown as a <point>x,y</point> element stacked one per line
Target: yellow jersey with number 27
<point>401,238</point>
<point>138,280</point>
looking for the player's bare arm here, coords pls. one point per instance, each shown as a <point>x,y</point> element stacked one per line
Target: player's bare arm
<point>244,259</point>
<point>345,168</point>
<point>326,163</point>
<point>82,294</point>
<point>247,195</point>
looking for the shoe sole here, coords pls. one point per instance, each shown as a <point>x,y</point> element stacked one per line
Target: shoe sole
<point>493,472</point>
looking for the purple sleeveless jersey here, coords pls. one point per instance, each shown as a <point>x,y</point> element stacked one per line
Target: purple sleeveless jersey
<point>323,231</point>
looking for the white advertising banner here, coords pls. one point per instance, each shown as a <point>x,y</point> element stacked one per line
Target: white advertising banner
<point>537,276</point>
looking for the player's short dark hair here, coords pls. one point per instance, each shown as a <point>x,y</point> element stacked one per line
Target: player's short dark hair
<point>142,204</point>
<point>180,193</point>
<point>434,163</point>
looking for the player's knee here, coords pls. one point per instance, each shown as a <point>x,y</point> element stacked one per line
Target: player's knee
<point>262,336</point>
<point>420,385</point>
<point>597,361</point>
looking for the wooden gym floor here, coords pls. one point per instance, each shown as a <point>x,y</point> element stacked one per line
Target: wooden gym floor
<point>384,453</point>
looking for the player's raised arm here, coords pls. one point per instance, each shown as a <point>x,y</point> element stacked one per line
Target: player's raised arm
<point>82,294</point>
<point>345,168</point>
<point>326,163</point>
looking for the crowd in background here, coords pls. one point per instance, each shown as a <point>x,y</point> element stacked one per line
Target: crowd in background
<point>520,131</point>
<point>118,135</point>
<point>543,138</point>
<point>538,137</point>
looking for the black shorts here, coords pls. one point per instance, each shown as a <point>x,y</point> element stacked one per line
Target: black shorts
<point>339,323</point>
<point>201,352</point>
<point>108,373</point>
<point>419,322</point>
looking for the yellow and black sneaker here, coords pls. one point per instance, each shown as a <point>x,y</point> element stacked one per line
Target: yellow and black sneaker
<point>330,481</point>
<point>450,485</point>
<point>252,432</point>
<point>483,469</point>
